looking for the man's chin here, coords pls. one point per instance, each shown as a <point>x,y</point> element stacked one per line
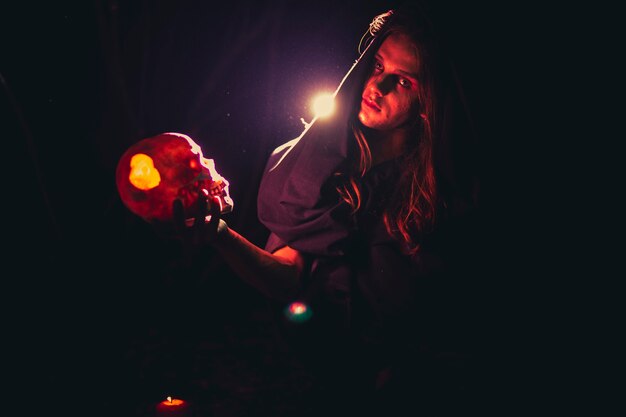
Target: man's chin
<point>366,119</point>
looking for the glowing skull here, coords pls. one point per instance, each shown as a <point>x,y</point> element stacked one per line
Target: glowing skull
<point>155,171</point>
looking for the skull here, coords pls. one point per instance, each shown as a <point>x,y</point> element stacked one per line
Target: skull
<point>155,171</point>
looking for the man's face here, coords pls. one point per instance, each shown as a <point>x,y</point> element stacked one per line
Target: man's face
<point>390,96</point>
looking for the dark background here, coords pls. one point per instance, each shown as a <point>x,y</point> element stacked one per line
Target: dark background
<point>106,317</point>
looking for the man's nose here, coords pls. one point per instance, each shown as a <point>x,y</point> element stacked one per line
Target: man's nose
<point>382,84</point>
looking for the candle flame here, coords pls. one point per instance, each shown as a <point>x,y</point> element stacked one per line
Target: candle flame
<point>172,402</point>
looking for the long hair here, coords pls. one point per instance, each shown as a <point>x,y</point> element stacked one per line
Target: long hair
<point>411,212</point>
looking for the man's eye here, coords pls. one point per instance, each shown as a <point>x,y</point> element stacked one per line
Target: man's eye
<point>404,82</point>
<point>378,67</point>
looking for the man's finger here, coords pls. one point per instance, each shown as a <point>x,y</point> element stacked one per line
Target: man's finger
<point>215,208</point>
<point>179,215</point>
<point>202,210</point>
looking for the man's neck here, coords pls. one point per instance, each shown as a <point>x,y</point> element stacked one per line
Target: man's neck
<point>386,145</point>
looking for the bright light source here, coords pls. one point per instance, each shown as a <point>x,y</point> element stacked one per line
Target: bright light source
<point>323,104</point>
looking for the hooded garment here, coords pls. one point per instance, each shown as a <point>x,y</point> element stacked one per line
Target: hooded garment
<point>362,287</point>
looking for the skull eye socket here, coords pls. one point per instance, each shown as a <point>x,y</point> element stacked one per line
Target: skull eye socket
<point>143,174</point>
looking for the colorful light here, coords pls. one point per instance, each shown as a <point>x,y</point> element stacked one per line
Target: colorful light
<point>298,312</point>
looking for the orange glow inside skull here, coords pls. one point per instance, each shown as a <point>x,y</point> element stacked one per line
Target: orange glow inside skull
<point>155,171</point>
<point>143,173</point>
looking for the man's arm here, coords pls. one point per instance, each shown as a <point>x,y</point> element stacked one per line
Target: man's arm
<point>276,275</point>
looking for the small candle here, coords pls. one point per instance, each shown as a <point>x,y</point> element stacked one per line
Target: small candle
<point>172,407</point>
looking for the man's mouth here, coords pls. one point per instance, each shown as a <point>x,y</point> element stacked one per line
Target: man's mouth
<point>371,104</point>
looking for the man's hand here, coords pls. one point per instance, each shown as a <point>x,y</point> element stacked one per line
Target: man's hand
<point>205,227</point>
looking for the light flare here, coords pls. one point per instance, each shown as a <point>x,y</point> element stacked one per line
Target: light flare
<point>298,312</point>
<point>323,104</point>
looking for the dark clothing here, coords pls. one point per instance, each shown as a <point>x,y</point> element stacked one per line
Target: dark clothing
<point>366,280</point>
<point>374,337</point>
